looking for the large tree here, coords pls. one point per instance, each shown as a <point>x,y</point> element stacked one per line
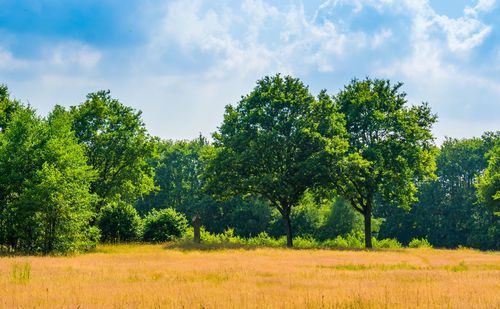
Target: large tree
<point>390,146</point>
<point>45,204</point>
<point>117,146</point>
<point>277,142</point>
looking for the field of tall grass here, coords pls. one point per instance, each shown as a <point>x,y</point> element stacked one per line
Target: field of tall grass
<point>187,275</point>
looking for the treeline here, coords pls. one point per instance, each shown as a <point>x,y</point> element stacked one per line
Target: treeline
<point>282,162</point>
<point>58,172</point>
<point>447,212</point>
<point>450,212</point>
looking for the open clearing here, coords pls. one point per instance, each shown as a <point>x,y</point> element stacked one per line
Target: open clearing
<point>151,276</point>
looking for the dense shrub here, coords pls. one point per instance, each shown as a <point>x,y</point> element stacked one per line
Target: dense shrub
<point>119,221</point>
<point>352,240</point>
<point>340,220</point>
<point>419,243</point>
<point>386,243</point>
<point>164,225</point>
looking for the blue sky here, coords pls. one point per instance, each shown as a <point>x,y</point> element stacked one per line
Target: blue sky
<point>181,62</point>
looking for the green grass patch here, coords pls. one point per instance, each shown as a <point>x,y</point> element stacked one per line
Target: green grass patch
<point>21,272</point>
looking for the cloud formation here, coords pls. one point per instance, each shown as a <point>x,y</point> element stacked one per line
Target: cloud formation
<point>192,57</point>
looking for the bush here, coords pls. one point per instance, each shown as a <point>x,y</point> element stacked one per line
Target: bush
<point>386,243</point>
<point>338,242</point>
<point>305,242</point>
<point>263,240</point>
<point>352,240</point>
<point>419,243</point>
<point>340,220</point>
<point>119,221</point>
<point>164,225</point>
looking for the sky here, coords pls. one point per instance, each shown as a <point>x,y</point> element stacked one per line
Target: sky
<point>181,61</point>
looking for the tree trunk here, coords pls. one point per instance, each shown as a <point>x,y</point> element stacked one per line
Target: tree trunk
<point>288,227</point>
<point>368,226</point>
<point>197,226</point>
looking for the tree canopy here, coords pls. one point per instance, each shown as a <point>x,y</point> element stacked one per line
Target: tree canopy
<point>7,107</point>
<point>390,146</point>
<point>45,204</point>
<point>448,213</point>
<point>117,146</point>
<point>278,142</point>
<point>280,156</point>
<point>489,184</point>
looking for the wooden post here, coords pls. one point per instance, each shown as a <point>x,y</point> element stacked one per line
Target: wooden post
<point>197,225</point>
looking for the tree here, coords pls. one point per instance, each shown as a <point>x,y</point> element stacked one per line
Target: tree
<point>277,143</point>
<point>447,212</point>
<point>45,200</point>
<point>177,169</point>
<point>19,144</point>
<point>117,146</point>
<point>489,184</point>
<point>7,107</point>
<point>177,178</point>
<point>390,146</point>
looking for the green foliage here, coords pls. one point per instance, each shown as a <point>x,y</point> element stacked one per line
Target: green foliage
<point>271,160</point>
<point>118,222</point>
<point>419,243</point>
<point>386,243</point>
<point>447,212</point>
<point>390,146</point>
<point>164,225</point>
<point>340,220</point>
<point>177,169</point>
<point>307,217</point>
<point>489,184</point>
<point>116,145</point>
<point>177,176</point>
<point>265,240</point>
<point>7,107</point>
<point>45,202</point>
<point>276,143</point>
<point>352,240</point>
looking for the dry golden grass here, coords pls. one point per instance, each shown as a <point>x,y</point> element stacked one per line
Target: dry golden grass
<point>150,276</point>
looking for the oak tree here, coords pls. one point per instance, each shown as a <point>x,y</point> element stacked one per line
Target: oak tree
<point>276,143</point>
<point>390,146</point>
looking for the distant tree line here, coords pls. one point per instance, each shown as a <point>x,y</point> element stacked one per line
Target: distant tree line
<point>282,162</point>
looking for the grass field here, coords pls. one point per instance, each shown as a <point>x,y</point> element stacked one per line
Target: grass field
<point>153,276</point>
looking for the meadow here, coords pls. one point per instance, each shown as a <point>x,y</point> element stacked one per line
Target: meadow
<point>243,276</point>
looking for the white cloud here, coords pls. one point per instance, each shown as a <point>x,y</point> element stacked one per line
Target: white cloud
<point>228,45</point>
<point>380,38</point>
<point>481,6</point>
<point>9,62</point>
<point>65,56</point>
<point>61,74</point>
<point>463,33</point>
<point>301,42</point>
<point>428,63</point>
<point>74,55</point>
